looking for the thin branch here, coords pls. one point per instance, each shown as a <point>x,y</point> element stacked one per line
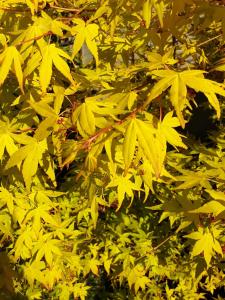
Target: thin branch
<point>33,39</point>
<point>209,40</point>
<point>160,110</point>
<point>163,242</point>
<point>86,144</point>
<point>75,10</point>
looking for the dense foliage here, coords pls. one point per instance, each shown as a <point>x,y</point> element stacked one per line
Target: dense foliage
<point>112,148</point>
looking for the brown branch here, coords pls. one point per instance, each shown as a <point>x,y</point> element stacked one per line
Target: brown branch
<point>34,39</point>
<point>209,40</point>
<point>86,144</point>
<point>75,10</point>
<point>160,111</point>
<point>163,242</point>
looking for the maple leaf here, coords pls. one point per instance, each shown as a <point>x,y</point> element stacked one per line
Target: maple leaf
<point>167,129</point>
<point>124,186</point>
<point>51,55</point>
<point>7,141</point>
<point>206,242</point>
<point>34,271</point>
<point>148,6</point>
<point>47,248</point>
<point>9,58</point>
<point>152,144</point>
<point>178,82</point>
<point>31,155</point>
<point>85,33</point>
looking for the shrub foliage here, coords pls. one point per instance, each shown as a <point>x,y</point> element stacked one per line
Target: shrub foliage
<point>112,149</point>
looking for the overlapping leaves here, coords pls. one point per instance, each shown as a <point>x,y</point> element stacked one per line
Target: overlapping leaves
<point>178,83</point>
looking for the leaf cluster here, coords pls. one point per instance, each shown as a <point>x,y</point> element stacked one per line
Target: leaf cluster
<point>103,188</point>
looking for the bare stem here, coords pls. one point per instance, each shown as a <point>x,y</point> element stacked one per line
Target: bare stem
<point>209,40</point>
<point>75,10</point>
<point>34,39</point>
<point>163,242</point>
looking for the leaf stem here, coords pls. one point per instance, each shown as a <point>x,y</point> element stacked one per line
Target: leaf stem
<point>33,39</point>
<point>163,242</point>
<point>75,10</point>
<point>209,40</point>
<point>87,143</point>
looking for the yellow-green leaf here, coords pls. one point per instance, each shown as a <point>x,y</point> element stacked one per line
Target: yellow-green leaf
<point>129,143</point>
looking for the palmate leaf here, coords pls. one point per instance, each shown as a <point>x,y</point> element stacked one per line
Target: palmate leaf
<point>9,58</point>
<point>152,141</point>
<point>24,244</point>
<point>191,179</point>
<point>47,126</point>
<point>53,56</point>
<point>85,33</point>
<point>31,156</point>
<point>7,141</point>
<point>137,278</point>
<point>158,61</point>
<point>124,186</point>
<point>47,248</point>
<point>152,144</point>
<point>35,33</point>
<point>158,6</point>
<point>90,115</point>
<point>80,290</point>
<point>38,214</point>
<point>33,271</point>
<point>167,129</point>
<point>178,82</point>
<point>206,242</point>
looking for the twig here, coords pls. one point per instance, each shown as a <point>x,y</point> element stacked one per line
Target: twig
<point>86,144</point>
<point>160,110</point>
<point>163,242</point>
<point>209,40</point>
<point>33,39</point>
<point>75,10</point>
